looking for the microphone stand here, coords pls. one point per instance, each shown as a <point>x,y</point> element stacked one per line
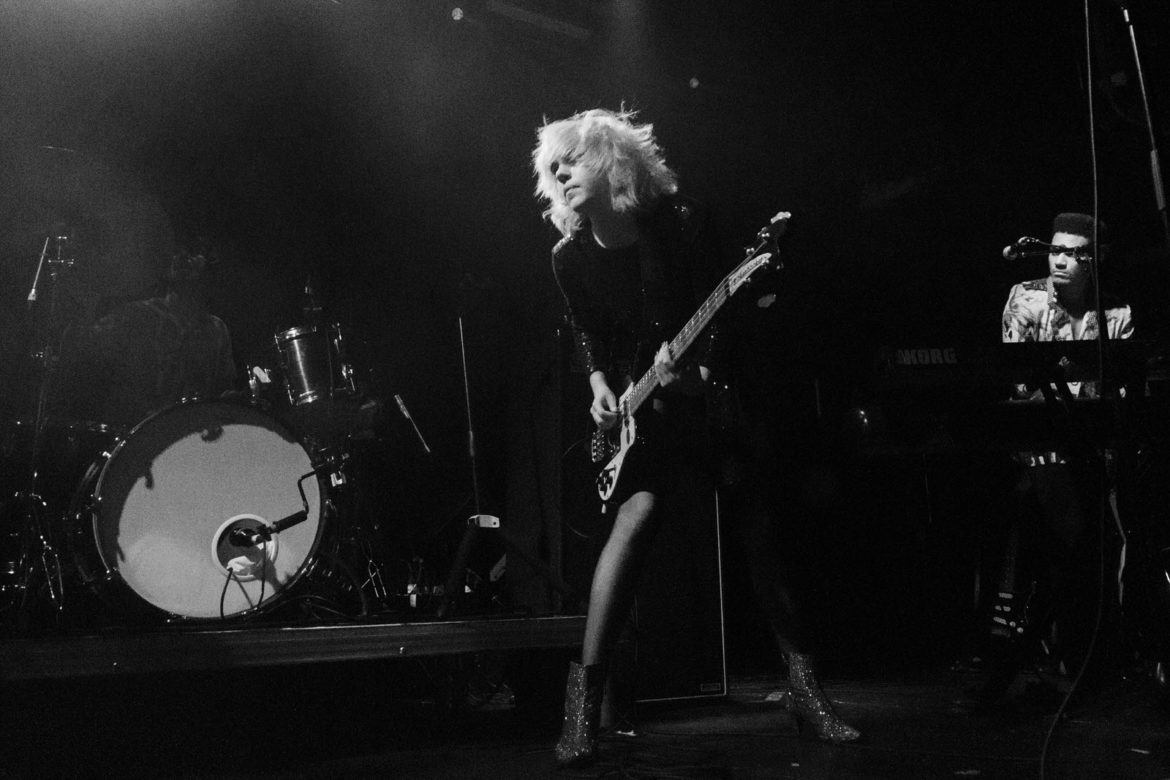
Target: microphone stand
<point>453,587</point>
<point>455,577</point>
<point>1155,164</point>
<point>1112,468</point>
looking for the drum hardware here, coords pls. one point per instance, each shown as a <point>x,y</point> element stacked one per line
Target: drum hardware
<point>59,259</point>
<point>311,307</point>
<point>29,557</point>
<point>417,585</point>
<point>259,380</point>
<point>37,558</point>
<point>353,542</point>
<point>334,585</point>
<point>373,578</point>
<point>250,535</point>
<point>370,585</point>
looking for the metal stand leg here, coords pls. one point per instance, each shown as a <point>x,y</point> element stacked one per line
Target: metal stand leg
<point>34,575</point>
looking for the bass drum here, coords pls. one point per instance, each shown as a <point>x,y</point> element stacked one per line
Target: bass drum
<point>168,518</point>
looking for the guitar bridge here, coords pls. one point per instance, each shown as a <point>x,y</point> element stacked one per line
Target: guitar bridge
<point>602,446</point>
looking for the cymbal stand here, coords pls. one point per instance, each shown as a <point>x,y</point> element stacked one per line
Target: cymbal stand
<point>1155,162</point>
<point>38,557</point>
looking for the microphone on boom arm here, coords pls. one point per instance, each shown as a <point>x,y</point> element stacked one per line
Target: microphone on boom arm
<point>1027,246</point>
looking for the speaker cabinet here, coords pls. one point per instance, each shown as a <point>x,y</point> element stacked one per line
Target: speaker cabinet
<point>678,628</point>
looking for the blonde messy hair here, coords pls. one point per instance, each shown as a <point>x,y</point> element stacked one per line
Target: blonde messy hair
<point>611,144</point>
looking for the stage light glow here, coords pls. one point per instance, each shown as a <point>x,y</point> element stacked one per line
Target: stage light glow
<point>456,14</point>
<point>694,82</point>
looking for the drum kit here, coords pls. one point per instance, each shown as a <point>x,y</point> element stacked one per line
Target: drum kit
<point>209,510</point>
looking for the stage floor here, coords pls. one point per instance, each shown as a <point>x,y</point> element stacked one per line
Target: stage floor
<point>191,648</point>
<point>493,715</point>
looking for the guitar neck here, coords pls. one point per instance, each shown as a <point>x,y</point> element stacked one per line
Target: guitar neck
<point>641,390</point>
<point>758,257</point>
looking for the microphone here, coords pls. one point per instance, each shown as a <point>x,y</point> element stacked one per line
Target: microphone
<point>245,537</point>
<point>1025,246</point>
<point>242,537</point>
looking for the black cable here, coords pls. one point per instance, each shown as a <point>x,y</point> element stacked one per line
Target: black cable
<point>1104,393</point>
<point>323,605</point>
<point>231,575</point>
<point>263,569</point>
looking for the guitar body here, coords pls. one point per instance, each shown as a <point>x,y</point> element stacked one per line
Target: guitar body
<point>607,478</point>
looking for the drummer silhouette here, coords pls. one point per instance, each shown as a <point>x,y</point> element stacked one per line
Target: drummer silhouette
<point>149,354</point>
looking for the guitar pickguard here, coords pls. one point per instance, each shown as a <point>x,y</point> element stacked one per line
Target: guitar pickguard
<point>608,477</point>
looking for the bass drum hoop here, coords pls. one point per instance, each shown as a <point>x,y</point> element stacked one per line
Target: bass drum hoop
<point>216,466</point>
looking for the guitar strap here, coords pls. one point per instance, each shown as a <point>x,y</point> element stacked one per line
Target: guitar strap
<point>666,261</point>
<point>650,327</point>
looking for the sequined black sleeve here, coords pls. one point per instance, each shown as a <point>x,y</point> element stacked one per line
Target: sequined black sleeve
<point>592,348</point>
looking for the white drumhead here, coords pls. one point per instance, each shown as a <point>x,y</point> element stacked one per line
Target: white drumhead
<point>180,483</point>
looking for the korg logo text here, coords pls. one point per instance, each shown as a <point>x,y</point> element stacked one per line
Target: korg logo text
<point>927,357</point>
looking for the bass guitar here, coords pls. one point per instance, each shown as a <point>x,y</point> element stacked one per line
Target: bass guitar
<point>616,443</point>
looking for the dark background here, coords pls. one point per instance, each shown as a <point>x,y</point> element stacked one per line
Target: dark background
<point>382,149</point>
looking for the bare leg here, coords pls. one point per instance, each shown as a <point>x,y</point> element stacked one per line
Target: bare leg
<point>611,595</point>
<point>616,576</point>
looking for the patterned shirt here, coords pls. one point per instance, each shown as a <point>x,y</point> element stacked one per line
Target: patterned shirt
<point>1033,313</point>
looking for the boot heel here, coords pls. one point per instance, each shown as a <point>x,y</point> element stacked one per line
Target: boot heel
<point>811,708</point>
<point>804,729</point>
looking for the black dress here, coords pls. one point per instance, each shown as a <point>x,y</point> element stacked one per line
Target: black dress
<point>623,303</point>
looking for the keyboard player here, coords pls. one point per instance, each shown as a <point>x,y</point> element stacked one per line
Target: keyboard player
<point>1062,306</point>
<point>1047,587</point>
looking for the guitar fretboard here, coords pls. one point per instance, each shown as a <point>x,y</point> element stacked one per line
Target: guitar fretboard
<point>638,392</point>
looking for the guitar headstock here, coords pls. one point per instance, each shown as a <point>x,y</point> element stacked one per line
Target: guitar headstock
<point>764,254</point>
<point>777,227</point>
